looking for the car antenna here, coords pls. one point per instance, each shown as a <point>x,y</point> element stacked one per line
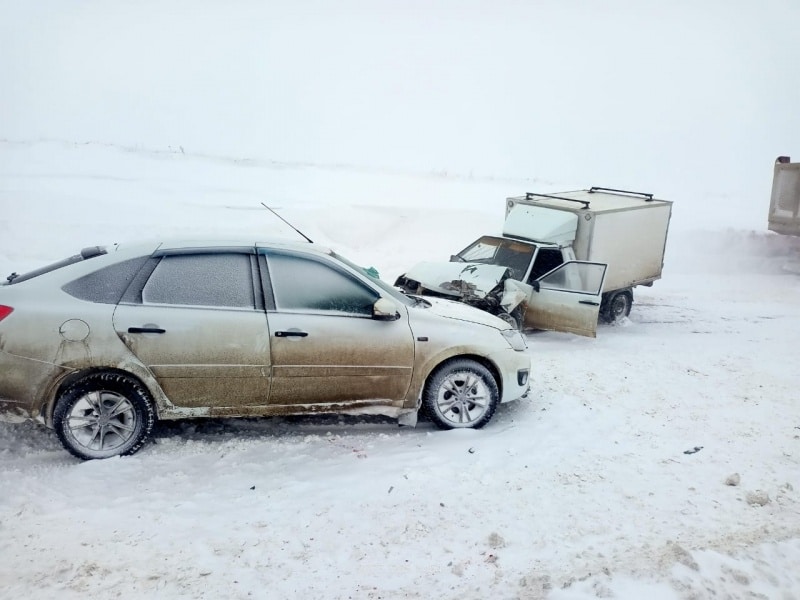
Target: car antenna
<point>287,222</point>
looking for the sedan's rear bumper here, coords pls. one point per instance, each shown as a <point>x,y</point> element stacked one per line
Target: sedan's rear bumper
<point>23,382</point>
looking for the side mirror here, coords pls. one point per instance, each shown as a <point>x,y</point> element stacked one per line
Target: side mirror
<point>535,285</point>
<point>384,310</point>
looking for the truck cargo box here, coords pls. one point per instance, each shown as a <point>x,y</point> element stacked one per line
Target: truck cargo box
<point>627,231</point>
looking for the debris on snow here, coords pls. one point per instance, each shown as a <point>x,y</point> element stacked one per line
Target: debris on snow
<point>496,540</point>
<point>733,480</point>
<point>693,450</point>
<point>677,553</point>
<point>536,586</point>
<point>757,498</point>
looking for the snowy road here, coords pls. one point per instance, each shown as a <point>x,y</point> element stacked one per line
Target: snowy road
<point>583,490</point>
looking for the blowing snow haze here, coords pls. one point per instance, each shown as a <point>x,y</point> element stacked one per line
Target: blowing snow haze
<point>658,460</point>
<point>683,99</point>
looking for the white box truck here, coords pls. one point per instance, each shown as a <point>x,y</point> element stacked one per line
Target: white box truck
<point>563,261</point>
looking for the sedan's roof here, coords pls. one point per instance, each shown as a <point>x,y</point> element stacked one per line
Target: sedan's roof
<point>147,247</point>
<point>92,258</point>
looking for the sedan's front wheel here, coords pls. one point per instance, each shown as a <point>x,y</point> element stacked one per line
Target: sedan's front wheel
<point>104,415</point>
<point>461,393</point>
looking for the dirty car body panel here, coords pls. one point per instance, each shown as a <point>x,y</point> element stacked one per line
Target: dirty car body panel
<point>328,348</point>
<point>565,299</point>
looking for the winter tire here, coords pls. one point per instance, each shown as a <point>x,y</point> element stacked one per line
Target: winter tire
<point>104,415</point>
<point>460,394</point>
<point>617,307</point>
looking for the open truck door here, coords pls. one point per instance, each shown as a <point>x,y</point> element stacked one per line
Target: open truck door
<point>567,298</point>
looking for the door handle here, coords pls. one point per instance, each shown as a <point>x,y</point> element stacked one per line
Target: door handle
<point>146,330</point>
<point>589,302</point>
<point>291,334</point>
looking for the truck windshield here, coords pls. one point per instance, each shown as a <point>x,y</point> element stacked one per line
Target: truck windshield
<point>490,250</point>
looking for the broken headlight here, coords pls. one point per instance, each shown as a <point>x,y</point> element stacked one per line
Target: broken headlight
<point>515,339</point>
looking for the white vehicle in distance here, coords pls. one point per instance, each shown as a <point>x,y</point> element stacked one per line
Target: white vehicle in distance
<point>102,344</point>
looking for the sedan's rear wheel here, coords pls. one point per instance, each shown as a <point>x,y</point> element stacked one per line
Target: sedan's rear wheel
<point>104,415</point>
<point>461,393</point>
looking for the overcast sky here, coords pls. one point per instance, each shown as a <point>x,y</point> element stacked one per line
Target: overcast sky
<point>666,96</point>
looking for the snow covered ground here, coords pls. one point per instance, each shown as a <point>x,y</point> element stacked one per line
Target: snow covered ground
<point>584,490</point>
<point>393,131</point>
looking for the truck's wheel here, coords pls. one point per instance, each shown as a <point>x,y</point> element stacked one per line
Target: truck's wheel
<point>617,306</point>
<point>461,393</point>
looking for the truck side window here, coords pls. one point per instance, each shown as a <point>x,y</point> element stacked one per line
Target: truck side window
<point>546,260</point>
<point>579,277</point>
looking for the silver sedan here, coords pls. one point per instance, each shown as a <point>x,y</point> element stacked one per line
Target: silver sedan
<point>102,344</point>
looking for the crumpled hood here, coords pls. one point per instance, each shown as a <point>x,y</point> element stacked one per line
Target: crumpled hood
<point>464,312</point>
<point>438,276</point>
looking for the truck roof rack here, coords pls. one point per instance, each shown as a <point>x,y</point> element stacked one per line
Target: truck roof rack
<point>532,196</point>
<point>647,197</point>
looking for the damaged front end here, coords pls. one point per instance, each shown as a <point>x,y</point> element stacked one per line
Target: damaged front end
<point>487,287</point>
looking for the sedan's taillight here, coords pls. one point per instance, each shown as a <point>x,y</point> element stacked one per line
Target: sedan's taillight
<point>5,311</point>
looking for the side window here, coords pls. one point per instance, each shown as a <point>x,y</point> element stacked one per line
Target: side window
<point>546,260</point>
<point>300,283</point>
<point>581,277</point>
<point>223,280</point>
<point>105,285</point>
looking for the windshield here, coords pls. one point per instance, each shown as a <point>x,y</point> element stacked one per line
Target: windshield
<point>490,250</point>
<point>392,292</point>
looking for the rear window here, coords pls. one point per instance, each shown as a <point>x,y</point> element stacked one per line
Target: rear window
<point>84,254</point>
<point>221,280</point>
<point>106,285</point>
